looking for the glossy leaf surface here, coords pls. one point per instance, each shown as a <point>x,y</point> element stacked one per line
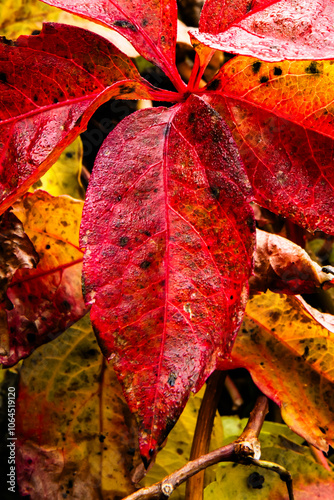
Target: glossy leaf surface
<point>287,29</point>
<point>168,245</point>
<point>280,337</point>
<point>150,26</point>
<point>77,71</point>
<point>46,300</point>
<point>283,267</point>
<point>286,146</point>
<point>75,433</point>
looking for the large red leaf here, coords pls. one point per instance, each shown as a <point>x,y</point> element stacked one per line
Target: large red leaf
<point>219,15</point>
<point>50,85</point>
<point>287,29</point>
<point>289,165</point>
<point>150,26</point>
<point>169,242</point>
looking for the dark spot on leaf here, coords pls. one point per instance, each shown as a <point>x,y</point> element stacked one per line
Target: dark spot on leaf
<point>264,79</point>
<point>255,481</point>
<point>69,154</point>
<point>144,23</point>
<point>36,32</point>
<point>66,306</point>
<point>213,85</point>
<point>322,430</point>
<point>179,451</point>
<point>171,379</point>
<point>5,41</point>
<point>215,191</point>
<point>64,223</point>
<point>191,118</point>
<point>31,337</point>
<point>277,71</point>
<point>256,67</point>
<point>147,233</point>
<point>163,39</point>
<point>306,352</point>
<point>70,484</point>
<point>47,247</point>
<point>126,88</point>
<point>101,438</point>
<point>125,24</point>
<point>312,68</point>
<point>123,241</point>
<point>249,6</point>
<point>3,77</point>
<point>55,100</point>
<point>35,98</point>
<point>145,264</point>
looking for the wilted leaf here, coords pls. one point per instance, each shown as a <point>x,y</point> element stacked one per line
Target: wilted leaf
<point>286,29</point>
<point>22,17</point>
<point>77,71</point>
<point>176,453</point>
<point>64,176</point>
<point>290,357</point>
<point>283,267</point>
<point>168,245</point>
<point>46,300</point>
<point>75,433</point>
<point>150,26</point>
<point>16,250</point>
<point>310,480</point>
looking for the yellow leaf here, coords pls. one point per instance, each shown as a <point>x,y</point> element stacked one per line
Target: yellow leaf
<point>22,17</point>
<point>64,176</point>
<point>75,433</point>
<point>288,347</point>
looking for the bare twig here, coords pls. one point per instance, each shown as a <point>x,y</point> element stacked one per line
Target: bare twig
<point>283,473</point>
<point>244,448</point>
<point>202,435</point>
<point>234,393</point>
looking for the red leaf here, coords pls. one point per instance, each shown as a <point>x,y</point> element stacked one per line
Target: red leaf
<point>218,15</point>
<point>288,165</point>
<point>47,300</point>
<point>169,241</point>
<point>50,85</point>
<point>150,26</point>
<point>287,29</point>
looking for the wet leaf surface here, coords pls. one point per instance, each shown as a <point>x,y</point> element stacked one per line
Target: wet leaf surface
<point>172,236</point>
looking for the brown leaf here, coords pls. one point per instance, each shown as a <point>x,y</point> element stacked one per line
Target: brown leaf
<point>16,250</point>
<point>284,267</point>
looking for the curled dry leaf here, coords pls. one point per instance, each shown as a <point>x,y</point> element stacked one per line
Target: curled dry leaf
<point>283,267</point>
<point>290,357</point>
<point>44,301</point>
<point>16,250</point>
<point>75,434</point>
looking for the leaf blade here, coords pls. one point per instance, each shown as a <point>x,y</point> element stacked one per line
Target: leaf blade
<point>163,222</point>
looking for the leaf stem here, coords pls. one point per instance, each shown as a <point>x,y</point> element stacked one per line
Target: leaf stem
<point>203,430</point>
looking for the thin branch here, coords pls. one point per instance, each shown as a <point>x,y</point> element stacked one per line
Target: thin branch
<point>283,473</point>
<point>246,447</point>
<point>202,435</point>
<point>234,393</point>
